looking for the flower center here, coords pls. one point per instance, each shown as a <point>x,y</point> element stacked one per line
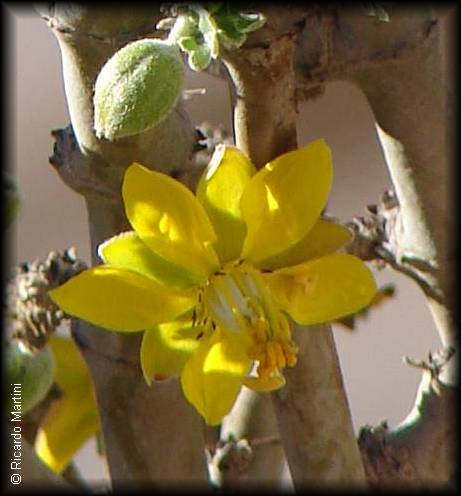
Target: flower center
<point>236,299</point>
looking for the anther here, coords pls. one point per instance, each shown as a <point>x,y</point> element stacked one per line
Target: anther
<point>281,362</point>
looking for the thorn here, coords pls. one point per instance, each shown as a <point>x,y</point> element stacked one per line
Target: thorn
<point>434,363</point>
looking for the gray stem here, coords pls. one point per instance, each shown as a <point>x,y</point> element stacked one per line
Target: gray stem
<point>311,409</point>
<point>152,435</point>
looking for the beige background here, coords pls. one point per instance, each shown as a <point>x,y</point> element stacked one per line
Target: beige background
<point>378,384</point>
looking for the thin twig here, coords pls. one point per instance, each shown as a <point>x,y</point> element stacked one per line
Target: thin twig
<point>376,240</point>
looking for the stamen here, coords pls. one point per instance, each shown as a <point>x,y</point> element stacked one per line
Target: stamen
<point>280,357</point>
<point>257,354</point>
<point>236,298</point>
<point>271,356</point>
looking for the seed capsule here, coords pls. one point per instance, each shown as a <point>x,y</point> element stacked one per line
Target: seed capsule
<point>29,375</point>
<point>137,88</point>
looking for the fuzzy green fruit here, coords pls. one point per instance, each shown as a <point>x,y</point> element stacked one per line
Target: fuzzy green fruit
<point>137,88</point>
<point>33,371</point>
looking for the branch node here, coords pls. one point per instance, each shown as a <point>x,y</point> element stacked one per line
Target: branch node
<point>32,314</point>
<point>434,363</point>
<point>76,169</point>
<point>376,240</point>
<point>233,455</point>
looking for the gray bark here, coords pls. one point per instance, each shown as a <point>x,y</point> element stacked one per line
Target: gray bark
<point>320,448</point>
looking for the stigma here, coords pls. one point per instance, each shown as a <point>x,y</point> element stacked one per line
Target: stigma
<point>236,299</point>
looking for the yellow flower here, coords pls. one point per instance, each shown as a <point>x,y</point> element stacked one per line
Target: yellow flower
<point>73,418</point>
<point>213,279</point>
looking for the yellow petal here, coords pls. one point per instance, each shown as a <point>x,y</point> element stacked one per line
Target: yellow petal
<point>69,422</point>
<point>73,418</point>
<point>128,251</point>
<point>166,348</point>
<point>212,378</point>
<point>169,219</point>
<point>71,370</point>
<point>119,299</point>
<point>284,200</point>
<point>219,190</point>
<point>264,385</point>
<point>324,238</point>
<point>323,289</point>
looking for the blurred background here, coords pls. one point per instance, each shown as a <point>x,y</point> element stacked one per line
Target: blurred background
<point>52,217</point>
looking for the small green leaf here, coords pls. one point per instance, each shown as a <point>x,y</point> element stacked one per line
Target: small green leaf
<point>246,23</point>
<point>381,14</point>
<point>205,22</point>
<point>211,40</point>
<point>228,34</point>
<point>188,43</point>
<point>184,26</point>
<point>208,28</point>
<point>234,42</point>
<point>200,59</point>
<point>201,31</point>
<point>377,10</point>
